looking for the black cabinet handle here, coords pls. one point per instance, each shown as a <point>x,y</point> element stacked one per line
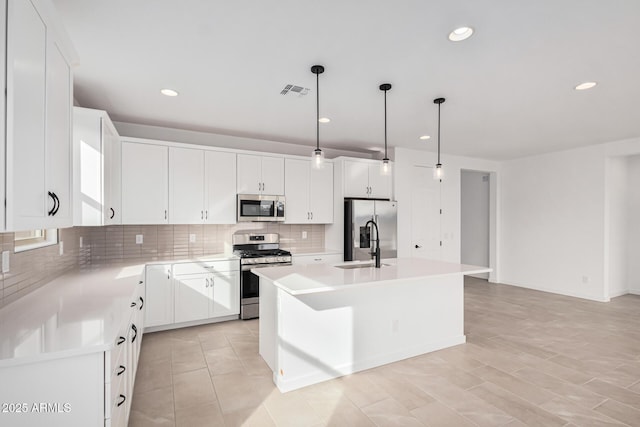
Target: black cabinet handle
<point>418,246</point>
<point>133,304</point>
<point>141,303</point>
<point>57,203</point>
<point>113,213</point>
<point>121,371</point>
<point>140,282</point>
<point>121,340</point>
<point>123,398</point>
<point>135,333</point>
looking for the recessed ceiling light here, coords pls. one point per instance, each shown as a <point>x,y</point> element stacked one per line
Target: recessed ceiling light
<point>425,137</point>
<point>460,34</point>
<point>169,92</point>
<point>585,85</point>
<point>324,119</point>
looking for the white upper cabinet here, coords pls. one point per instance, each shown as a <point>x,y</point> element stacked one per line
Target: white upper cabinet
<point>363,179</point>
<point>260,174</point>
<point>309,192</point>
<point>145,178</point>
<point>220,187</point>
<point>202,186</point>
<point>96,166</point>
<point>38,122</point>
<point>186,186</point>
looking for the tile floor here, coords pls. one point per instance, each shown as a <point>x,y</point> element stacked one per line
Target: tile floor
<point>531,358</point>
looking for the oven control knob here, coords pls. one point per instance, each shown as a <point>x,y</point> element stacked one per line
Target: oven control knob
<point>250,261</point>
<point>272,260</point>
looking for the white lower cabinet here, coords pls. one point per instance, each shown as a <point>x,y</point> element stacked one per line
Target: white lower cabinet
<point>160,297</point>
<point>92,389</point>
<point>192,292</point>
<point>316,259</point>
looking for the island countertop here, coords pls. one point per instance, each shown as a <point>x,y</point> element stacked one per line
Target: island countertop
<point>315,278</point>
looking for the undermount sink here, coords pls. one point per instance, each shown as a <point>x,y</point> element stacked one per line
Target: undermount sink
<point>359,265</point>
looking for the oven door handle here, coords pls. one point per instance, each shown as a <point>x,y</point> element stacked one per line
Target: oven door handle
<point>248,267</point>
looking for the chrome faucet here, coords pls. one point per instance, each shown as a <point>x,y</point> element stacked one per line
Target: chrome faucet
<point>376,253</point>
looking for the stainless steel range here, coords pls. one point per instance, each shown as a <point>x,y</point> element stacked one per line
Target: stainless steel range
<point>256,250</point>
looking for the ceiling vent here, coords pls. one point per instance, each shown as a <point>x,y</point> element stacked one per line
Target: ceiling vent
<point>293,89</point>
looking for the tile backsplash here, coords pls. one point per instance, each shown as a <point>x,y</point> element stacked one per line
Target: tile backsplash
<point>114,244</point>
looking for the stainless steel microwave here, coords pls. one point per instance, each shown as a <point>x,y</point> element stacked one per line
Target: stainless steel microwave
<point>260,207</point>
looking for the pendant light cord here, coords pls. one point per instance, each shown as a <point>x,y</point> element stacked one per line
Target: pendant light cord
<point>385,124</point>
<point>317,112</point>
<point>439,105</point>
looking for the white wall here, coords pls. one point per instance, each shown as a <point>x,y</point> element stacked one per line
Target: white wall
<point>633,225</point>
<point>616,232</point>
<point>405,159</point>
<point>553,216</point>
<point>474,219</point>
<point>226,141</point>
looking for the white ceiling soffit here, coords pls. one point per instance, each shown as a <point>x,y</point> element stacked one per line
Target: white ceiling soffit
<point>509,88</point>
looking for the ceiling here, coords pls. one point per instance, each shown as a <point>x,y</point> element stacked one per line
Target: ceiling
<point>509,89</point>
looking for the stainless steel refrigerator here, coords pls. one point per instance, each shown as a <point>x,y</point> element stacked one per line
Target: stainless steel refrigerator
<point>359,241</point>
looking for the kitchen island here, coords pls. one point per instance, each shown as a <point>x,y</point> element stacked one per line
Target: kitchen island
<point>323,321</point>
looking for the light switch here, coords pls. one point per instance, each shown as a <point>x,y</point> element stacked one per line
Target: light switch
<point>139,239</point>
<point>5,261</point>
<point>192,238</point>
<point>304,234</point>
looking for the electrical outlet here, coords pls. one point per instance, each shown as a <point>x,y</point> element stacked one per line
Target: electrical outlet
<point>61,247</point>
<point>5,261</point>
<point>139,239</point>
<point>304,234</point>
<point>192,238</point>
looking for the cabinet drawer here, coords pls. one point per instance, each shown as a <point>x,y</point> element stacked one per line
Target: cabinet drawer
<point>205,267</point>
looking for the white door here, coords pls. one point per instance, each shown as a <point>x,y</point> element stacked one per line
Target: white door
<point>356,179</point>
<point>297,191</point>
<point>145,177</point>
<point>320,195</point>
<point>220,187</point>
<point>249,174</point>
<point>112,172</point>
<point>226,294</point>
<point>425,214</point>
<point>159,295</point>
<point>28,202</point>
<point>273,175</point>
<point>193,295</point>
<point>379,185</point>
<point>58,137</point>
<point>186,186</point>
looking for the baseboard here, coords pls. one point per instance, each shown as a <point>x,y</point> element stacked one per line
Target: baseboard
<point>192,323</point>
<point>554,291</point>
<point>619,293</point>
<point>357,366</point>
<point>634,291</point>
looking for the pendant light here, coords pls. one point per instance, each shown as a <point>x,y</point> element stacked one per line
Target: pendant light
<point>385,167</point>
<point>317,157</point>
<point>438,173</point>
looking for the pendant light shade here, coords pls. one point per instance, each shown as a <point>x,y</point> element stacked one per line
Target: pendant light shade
<point>317,157</point>
<point>385,166</point>
<point>438,173</point>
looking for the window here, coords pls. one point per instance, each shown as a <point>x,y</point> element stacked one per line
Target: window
<point>32,239</point>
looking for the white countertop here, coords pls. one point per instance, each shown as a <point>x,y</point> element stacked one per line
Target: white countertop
<point>314,278</point>
<point>79,312</point>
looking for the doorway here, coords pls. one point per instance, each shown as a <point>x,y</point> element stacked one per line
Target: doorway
<point>475,219</point>
<point>425,214</point>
